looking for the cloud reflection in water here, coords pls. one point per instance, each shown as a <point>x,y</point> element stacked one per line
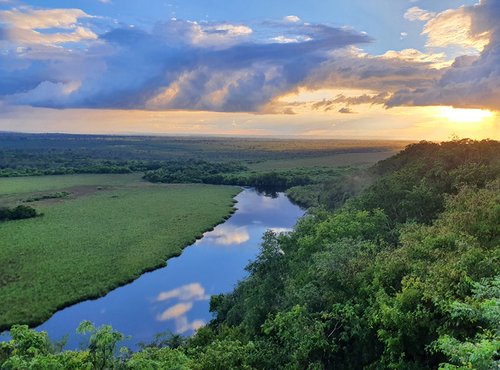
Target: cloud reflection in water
<point>229,235</point>
<point>186,295</point>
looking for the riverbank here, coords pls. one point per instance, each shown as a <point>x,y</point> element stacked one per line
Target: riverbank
<point>175,298</point>
<point>97,240</point>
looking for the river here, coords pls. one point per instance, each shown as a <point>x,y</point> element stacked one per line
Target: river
<point>176,297</point>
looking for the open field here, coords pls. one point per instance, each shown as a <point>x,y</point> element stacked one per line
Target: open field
<point>84,246</point>
<point>19,185</point>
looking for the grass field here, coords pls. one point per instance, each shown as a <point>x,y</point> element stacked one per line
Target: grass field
<point>85,246</point>
<point>19,185</point>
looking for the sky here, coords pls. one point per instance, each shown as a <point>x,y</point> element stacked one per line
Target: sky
<point>381,69</point>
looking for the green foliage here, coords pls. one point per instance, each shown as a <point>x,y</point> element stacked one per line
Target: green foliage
<point>221,355</point>
<point>57,195</point>
<point>158,359</point>
<point>17,213</point>
<point>29,349</point>
<point>476,212</point>
<point>480,354</point>
<point>414,182</point>
<point>481,309</point>
<point>102,344</point>
<point>300,338</point>
<point>194,171</point>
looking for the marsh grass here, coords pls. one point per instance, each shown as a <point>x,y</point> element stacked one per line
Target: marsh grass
<point>82,248</point>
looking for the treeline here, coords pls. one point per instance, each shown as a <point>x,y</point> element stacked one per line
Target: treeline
<point>191,171</point>
<point>403,276</point>
<point>17,213</point>
<point>412,184</point>
<point>332,191</point>
<point>227,173</point>
<point>72,166</point>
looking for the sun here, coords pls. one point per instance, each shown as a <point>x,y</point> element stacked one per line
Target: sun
<point>460,115</point>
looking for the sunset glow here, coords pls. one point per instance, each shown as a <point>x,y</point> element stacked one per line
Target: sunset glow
<point>465,115</point>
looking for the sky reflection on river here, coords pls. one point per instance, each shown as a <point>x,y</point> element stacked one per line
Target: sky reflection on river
<point>176,297</point>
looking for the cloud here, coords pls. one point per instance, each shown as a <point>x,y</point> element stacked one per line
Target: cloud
<point>291,19</point>
<point>66,58</point>
<point>202,35</point>
<point>28,18</point>
<point>417,14</point>
<point>178,65</point>
<point>281,39</point>
<point>281,230</point>
<point>346,110</point>
<point>436,60</point>
<point>329,104</point>
<point>25,26</point>
<point>391,72</point>
<point>471,81</point>
<point>453,27</point>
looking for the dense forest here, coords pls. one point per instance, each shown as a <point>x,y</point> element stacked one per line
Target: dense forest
<point>400,271</point>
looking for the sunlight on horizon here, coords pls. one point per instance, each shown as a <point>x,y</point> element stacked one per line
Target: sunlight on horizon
<point>462,115</point>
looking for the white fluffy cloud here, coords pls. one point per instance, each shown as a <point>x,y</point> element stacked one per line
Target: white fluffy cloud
<point>291,19</point>
<point>28,18</point>
<point>417,14</point>
<point>453,27</point>
<point>202,35</point>
<point>25,26</point>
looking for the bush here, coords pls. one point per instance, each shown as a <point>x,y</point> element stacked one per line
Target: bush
<point>17,213</point>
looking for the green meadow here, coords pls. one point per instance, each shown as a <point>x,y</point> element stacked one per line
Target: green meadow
<point>95,240</point>
<point>23,185</point>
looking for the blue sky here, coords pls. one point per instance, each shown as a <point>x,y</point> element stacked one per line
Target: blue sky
<point>381,19</point>
<point>334,68</point>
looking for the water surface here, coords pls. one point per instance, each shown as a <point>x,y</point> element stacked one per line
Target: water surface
<point>176,297</point>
